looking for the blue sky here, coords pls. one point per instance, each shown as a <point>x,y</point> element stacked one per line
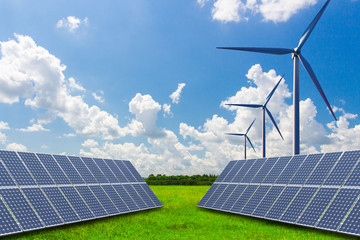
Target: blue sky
<point>96,78</point>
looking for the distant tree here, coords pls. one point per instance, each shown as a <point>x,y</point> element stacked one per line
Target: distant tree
<point>181,179</point>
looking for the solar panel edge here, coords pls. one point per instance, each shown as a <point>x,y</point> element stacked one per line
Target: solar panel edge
<point>12,217</point>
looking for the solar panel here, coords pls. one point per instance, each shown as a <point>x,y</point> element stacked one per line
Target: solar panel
<point>106,170</point>
<point>8,225</point>
<point>38,171</point>
<point>53,168</point>
<point>144,195</point>
<point>316,190</point>
<point>104,200</point>
<point>119,175</point>
<point>91,201</point>
<point>125,171</point>
<point>69,169</point>
<point>83,170</point>
<point>95,170</point>
<point>130,203</point>
<point>115,198</point>
<point>82,209</point>
<point>133,171</point>
<point>135,196</point>
<point>6,180</point>
<point>151,195</point>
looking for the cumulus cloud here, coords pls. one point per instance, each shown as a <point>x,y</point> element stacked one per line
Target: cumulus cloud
<point>4,125</point>
<point>270,10</point>
<point>16,147</point>
<point>175,96</point>
<point>33,128</point>
<point>89,143</point>
<point>71,23</point>
<point>30,72</point>
<point>75,86</point>
<point>167,110</point>
<point>99,96</point>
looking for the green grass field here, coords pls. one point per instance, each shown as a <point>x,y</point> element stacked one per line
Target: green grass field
<point>180,219</point>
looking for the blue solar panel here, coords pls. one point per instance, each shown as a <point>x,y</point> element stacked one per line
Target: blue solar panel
<point>290,169</point>
<point>36,169</point>
<point>298,204</point>
<point>115,198</point>
<point>53,168</point>
<point>135,196</point>
<point>106,170</point>
<point>5,179</point>
<point>144,196</point>
<point>267,201</point>
<point>42,206</point>
<point>208,194</point>
<point>352,221</point>
<point>119,175</point>
<point>125,171</point>
<point>61,204</point>
<point>104,200</point>
<point>305,169</point>
<point>242,172</point>
<point>264,171</point>
<point>224,196</point>
<point>77,202</point>
<point>244,198</point>
<point>354,179</point>
<point>21,209</point>
<point>83,170</point>
<point>69,169</point>
<point>323,169</point>
<point>338,209</point>
<point>91,201</point>
<point>277,169</point>
<point>253,171</point>
<point>317,206</point>
<point>16,168</point>
<point>233,198</point>
<point>133,171</point>
<point>234,170</point>
<point>151,194</point>
<point>254,201</point>
<point>214,197</point>
<point>226,171</point>
<point>8,224</point>
<point>282,202</point>
<point>95,170</point>
<point>126,197</point>
<point>342,168</point>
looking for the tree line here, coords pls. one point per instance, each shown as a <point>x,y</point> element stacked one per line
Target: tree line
<point>181,179</point>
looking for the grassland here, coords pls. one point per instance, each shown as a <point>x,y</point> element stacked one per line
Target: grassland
<point>179,219</point>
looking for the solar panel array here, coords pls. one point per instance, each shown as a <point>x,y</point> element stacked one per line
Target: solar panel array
<point>43,190</point>
<point>316,190</point>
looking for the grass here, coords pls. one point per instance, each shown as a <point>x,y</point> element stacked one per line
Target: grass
<point>179,219</point>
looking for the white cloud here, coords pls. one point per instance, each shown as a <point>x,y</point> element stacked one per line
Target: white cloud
<point>69,134</point>
<point>99,96</point>
<point>167,110</point>
<point>89,143</point>
<point>30,72</point>
<point>271,10</point>
<point>71,23</point>
<point>16,147</point>
<point>4,125</point>
<point>33,128</point>
<point>175,96</point>
<point>44,146</point>
<point>75,86</point>
<point>3,138</point>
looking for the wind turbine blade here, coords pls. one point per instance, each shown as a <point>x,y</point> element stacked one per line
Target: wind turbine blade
<point>235,134</point>
<point>250,127</point>
<point>246,105</point>
<point>273,121</point>
<point>276,51</point>
<point>313,77</point>
<point>250,143</point>
<point>272,92</point>
<point>311,27</point>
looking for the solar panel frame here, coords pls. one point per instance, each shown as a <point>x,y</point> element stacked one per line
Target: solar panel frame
<point>278,168</point>
<point>350,224</point>
<point>225,172</point>
<point>232,173</point>
<point>125,171</point>
<point>69,169</point>
<point>94,169</point>
<point>8,224</point>
<point>208,194</point>
<point>224,196</point>
<point>114,168</point>
<point>290,169</point>
<point>264,171</point>
<point>243,171</point>
<point>54,169</point>
<point>106,170</point>
<point>151,194</point>
<point>213,198</point>
<point>83,170</point>
<point>133,171</point>
<point>305,170</point>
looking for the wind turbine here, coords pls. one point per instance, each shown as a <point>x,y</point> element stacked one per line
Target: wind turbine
<point>245,137</point>
<point>264,109</point>
<point>296,55</point>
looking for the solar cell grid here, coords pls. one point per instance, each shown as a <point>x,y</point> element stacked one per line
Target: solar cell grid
<point>5,179</point>
<point>224,196</point>
<point>91,201</point>
<point>352,221</point>
<point>342,168</point>
<point>242,172</point>
<point>124,170</point>
<point>135,196</point>
<point>17,168</point>
<point>133,171</point>
<point>36,169</point>
<point>106,170</point>
<point>77,202</point>
<point>306,168</point>
<point>250,174</point>
<point>82,170</point>
<point>277,169</point>
<point>226,171</point>
<point>104,200</point>
<point>254,201</point>
<point>234,170</point>
<point>264,171</point>
<point>214,197</point>
<point>323,168</point>
<point>126,197</point>
<point>282,202</point>
<point>42,206</point>
<point>267,201</point>
<point>338,209</point>
<point>244,198</point>
<point>143,195</point>
<point>95,170</point>
<point>21,209</point>
<point>233,197</point>
<point>53,168</point>
<point>115,198</point>
<point>69,169</point>
<point>290,169</point>
<point>119,175</point>
<point>8,224</point>
<point>151,194</point>
<point>208,194</point>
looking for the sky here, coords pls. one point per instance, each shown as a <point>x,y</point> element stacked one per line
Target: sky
<point>143,81</point>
